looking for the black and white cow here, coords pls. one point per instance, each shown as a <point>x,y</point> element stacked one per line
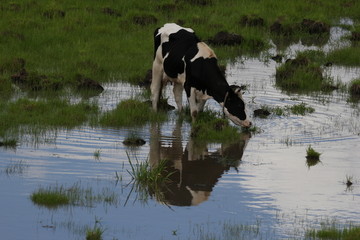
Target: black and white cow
<point>191,65</point>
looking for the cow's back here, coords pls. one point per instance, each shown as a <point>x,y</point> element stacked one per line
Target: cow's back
<point>172,44</point>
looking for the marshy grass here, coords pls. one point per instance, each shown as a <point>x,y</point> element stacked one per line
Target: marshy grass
<point>96,232</point>
<point>303,74</point>
<point>9,143</point>
<point>96,154</point>
<point>51,197</point>
<point>131,112</point>
<point>44,114</point>
<point>311,154</point>
<point>148,179</point>
<point>349,180</point>
<point>76,195</point>
<point>354,88</point>
<point>210,126</point>
<point>331,231</point>
<point>296,109</point>
<point>133,140</point>
<point>110,39</point>
<point>348,56</point>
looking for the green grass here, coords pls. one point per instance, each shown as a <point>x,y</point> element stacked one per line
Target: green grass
<point>55,41</point>
<point>67,37</point>
<point>296,109</point>
<point>43,114</point>
<point>148,179</point>
<point>348,56</point>
<point>302,74</point>
<point>76,195</point>
<point>331,231</point>
<point>51,197</point>
<point>354,87</point>
<point>210,126</point>
<point>131,113</point>
<point>97,154</point>
<point>311,154</point>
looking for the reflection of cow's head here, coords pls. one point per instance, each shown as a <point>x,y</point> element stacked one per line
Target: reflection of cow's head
<point>195,169</point>
<point>234,107</point>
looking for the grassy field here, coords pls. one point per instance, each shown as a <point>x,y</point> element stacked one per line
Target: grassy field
<point>52,43</point>
<point>110,40</point>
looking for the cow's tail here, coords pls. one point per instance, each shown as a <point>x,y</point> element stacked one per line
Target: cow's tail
<point>157,41</point>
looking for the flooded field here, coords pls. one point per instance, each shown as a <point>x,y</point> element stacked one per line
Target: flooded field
<point>270,191</point>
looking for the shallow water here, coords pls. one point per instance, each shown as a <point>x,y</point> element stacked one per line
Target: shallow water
<point>269,186</point>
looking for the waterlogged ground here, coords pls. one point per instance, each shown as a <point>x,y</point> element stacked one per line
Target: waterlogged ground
<point>273,193</point>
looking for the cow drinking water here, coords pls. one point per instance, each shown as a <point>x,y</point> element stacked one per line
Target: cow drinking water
<point>180,57</point>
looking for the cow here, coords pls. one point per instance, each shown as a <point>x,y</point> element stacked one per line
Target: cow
<point>190,64</point>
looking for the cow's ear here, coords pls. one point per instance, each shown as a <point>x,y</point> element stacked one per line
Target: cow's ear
<point>237,90</point>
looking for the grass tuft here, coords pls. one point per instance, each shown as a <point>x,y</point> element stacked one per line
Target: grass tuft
<point>51,197</point>
<point>303,74</point>
<point>312,154</point>
<point>57,196</point>
<point>330,231</point>
<point>210,127</point>
<point>131,113</point>
<point>149,179</point>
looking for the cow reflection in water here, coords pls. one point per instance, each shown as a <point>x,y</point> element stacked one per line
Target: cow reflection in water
<point>195,169</point>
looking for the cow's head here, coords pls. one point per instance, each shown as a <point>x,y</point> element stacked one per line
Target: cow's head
<point>234,107</point>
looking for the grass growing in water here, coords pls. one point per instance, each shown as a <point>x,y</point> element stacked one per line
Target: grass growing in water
<point>51,197</point>
<point>57,196</point>
<point>43,114</point>
<point>297,109</point>
<point>332,232</point>
<point>349,56</point>
<point>302,74</point>
<point>95,233</point>
<point>131,113</point>
<point>148,179</point>
<point>312,154</point>
<point>209,126</point>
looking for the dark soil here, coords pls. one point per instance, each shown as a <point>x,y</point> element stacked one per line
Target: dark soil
<point>54,13</point>
<point>84,83</point>
<point>195,2</point>
<point>355,36</point>
<point>225,38</point>
<point>134,142</point>
<point>144,20</point>
<point>111,12</point>
<point>314,27</point>
<point>252,21</point>
<point>355,89</point>
<point>34,81</point>
<point>261,113</point>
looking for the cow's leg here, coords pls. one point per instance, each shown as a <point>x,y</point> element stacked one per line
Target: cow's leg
<point>178,90</point>
<point>193,104</point>
<point>156,83</point>
<point>200,101</point>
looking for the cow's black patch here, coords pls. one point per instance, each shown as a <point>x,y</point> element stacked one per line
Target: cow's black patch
<point>235,105</point>
<point>205,75</point>
<point>180,44</point>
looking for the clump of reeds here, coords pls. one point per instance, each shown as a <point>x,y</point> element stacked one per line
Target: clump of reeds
<point>210,126</point>
<point>149,179</point>
<point>311,154</point>
<point>302,74</point>
<point>76,195</point>
<point>331,231</point>
<point>131,112</point>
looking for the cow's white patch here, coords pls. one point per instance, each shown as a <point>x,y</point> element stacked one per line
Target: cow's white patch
<point>204,51</point>
<point>244,123</point>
